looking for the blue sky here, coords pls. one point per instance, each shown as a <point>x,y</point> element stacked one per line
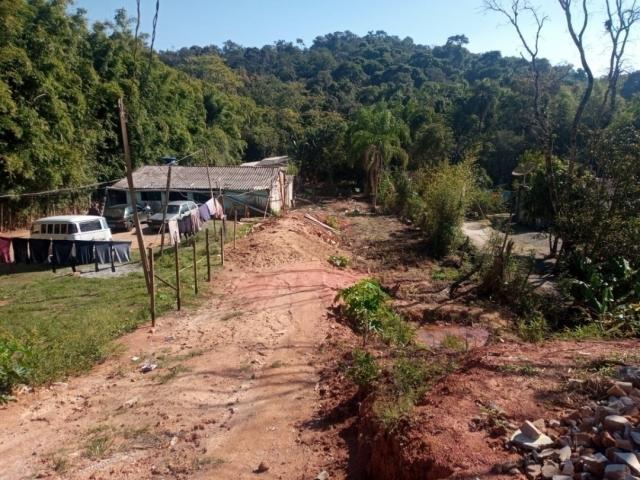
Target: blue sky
<point>258,22</point>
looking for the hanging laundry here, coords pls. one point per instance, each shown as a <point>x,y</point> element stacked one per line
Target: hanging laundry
<point>5,250</point>
<point>182,226</point>
<point>219,205</point>
<point>84,252</point>
<point>205,216</point>
<point>103,252</point>
<point>62,252</point>
<point>211,206</point>
<point>195,222</point>
<point>21,250</point>
<point>174,233</point>
<point>121,252</point>
<point>39,250</point>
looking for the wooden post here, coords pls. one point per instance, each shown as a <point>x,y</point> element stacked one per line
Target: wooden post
<point>221,247</point>
<point>132,193</point>
<point>177,262</point>
<point>235,226</point>
<point>113,265</point>
<point>164,210</point>
<point>195,267</point>
<point>206,238</point>
<point>152,297</point>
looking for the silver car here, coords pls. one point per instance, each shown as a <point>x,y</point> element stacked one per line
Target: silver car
<point>175,211</point>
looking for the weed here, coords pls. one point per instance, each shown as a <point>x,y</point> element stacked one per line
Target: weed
<point>338,261</point>
<point>396,331</point>
<point>409,377</point>
<point>171,373</point>
<point>365,304</point>
<point>231,315</point>
<point>333,222</point>
<point>533,329</point>
<point>98,446</point>
<point>445,274</point>
<point>201,462</point>
<point>364,369</point>
<point>59,462</point>
<point>390,412</point>
<point>526,370</point>
<point>454,343</point>
<point>277,364</point>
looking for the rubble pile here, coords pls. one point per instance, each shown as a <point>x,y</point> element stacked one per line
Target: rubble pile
<point>601,440</point>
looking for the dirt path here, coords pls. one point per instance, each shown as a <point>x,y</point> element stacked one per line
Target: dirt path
<point>236,383</point>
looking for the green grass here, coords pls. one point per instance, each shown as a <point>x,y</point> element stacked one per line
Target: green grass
<point>445,274</point>
<point>69,323</point>
<point>453,342</point>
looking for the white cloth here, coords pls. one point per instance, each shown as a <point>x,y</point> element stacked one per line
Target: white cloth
<point>174,234</point>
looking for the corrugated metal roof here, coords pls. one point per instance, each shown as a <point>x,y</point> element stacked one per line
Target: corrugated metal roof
<point>280,161</point>
<point>152,177</point>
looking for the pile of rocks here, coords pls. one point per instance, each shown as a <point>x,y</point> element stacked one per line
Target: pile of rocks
<point>600,440</point>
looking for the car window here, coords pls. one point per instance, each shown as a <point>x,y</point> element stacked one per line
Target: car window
<point>91,226</point>
<point>183,208</point>
<point>63,228</point>
<point>173,209</point>
<point>73,228</point>
<point>49,228</point>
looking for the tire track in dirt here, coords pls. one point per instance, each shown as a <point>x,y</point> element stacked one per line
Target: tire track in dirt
<point>236,380</point>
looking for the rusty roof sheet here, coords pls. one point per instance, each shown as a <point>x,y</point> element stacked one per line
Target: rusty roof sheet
<point>152,177</point>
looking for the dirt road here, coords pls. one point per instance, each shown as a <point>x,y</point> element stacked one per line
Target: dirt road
<point>236,383</point>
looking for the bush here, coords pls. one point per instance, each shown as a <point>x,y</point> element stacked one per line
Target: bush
<point>396,331</point>
<point>533,328</point>
<point>364,369</point>
<point>446,192</point>
<point>338,261</point>
<point>15,362</point>
<point>365,306</point>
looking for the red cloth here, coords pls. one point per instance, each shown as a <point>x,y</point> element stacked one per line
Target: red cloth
<point>5,250</point>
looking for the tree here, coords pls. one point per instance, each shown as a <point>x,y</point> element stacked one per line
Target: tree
<point>377,139</point>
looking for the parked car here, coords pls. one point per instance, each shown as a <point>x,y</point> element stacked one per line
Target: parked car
<point>121,216</point>
<point>175,211</point>
<point>71,227</point>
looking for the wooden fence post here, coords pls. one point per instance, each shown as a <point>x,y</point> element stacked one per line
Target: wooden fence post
<point>195,267</point>
<point>206,238</point>
<point>222,247</point>
<point>152,297</point>
<point>235,226</point>
<point>177,262</point>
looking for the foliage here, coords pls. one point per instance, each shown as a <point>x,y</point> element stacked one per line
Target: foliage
<point>15,365</point>
<point>339,261</point>
<point>533,328</point>
<point>365,306</point>
<point>364,369</point>
<point>446,192</point>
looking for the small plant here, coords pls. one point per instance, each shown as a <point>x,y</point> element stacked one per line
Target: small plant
<point>339,261</point>
<point>526,370</point>
<point>15,359</point>
<point>333,222</point>
<point>409,377</point>
<point>364,369</point>
<point>396,331</point>
<point>171,373</point>
<point>365,304</point>
<point>453,342</point>
<point>391,411</point>
<point>534,328</point>
<point>445,274</point>
<point>98,446</point>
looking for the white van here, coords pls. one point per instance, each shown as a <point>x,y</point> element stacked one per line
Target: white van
<point>71,227</point>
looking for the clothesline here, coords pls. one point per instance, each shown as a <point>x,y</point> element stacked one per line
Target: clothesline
<point>51,192</point>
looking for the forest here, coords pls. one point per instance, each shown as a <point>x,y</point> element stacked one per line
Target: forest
<point>431,133</point>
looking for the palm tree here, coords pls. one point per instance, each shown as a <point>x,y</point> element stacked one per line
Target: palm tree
<point>376,139</point>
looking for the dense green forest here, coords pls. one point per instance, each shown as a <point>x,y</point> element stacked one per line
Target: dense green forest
<point>61,78</point>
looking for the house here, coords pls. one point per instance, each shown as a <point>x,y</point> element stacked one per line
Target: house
<point>259,188</point>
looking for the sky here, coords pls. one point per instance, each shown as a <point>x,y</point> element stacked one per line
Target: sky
<point>183,23</point>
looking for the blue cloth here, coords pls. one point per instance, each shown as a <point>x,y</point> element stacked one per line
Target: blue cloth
<point>121,252</point>
<point>21,250</point>
<point>62,252</point>
<point>204,212</point>
<point>39,250</point>
<point>84,252</point>
<point>103,252</point>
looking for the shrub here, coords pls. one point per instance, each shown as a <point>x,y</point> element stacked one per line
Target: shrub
<point>533,328</point>
<point>396,331</point>
<point>409,377</point>
<point>15,362</point>
<point>365,306</point>
<point>338,261</point>
<point>446,192</point>
<point>364,369</point>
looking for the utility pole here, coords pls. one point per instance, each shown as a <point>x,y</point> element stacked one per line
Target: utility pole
<point>132,193</point>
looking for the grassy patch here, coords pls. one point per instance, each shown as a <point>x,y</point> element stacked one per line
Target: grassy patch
<point>445,274</point>
<point>98,445</point>
<point>277,364</point>
<point>68,323</point>
<point>338,261</point>
<point>453,342</point>
<point>171,373</point>
<point>526,369</point>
